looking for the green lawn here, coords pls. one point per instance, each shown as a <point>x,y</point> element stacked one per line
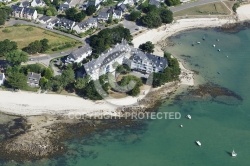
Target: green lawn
<point>213,9</point>
<point>24,35</point>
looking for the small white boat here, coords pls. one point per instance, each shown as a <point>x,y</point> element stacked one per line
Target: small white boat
<point>217,40</point>
<point>219,50</point>
<point>198,143</point>
<point>189,116</point>
<point>234,154</point>
<point>181,125</point>
<point>213,45</point>
<point>198,42</point>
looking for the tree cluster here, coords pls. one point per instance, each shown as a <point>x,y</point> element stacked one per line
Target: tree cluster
<point>108,37</point>
<point>171,73</point>
<point>4,14</point>
<point>172,2</point>
<point>132,84</point>
<point>90,10</point>
<point>147,47</point>
<point>37,46</point>
<point>154,17</point>
<point>134,15</point>
<point>73,14</point>
<point>7,46</point>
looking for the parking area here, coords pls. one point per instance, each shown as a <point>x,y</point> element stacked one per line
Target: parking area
<point>132,26</point>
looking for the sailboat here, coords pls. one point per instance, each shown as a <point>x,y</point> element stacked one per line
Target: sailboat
<point>234,154</point>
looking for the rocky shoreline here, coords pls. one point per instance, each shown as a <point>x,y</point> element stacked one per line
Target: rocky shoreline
<point>38,137</point>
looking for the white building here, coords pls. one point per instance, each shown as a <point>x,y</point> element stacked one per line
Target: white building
<point>38,3</point>
<point>2,79</point>
<point>24,13</point>
<point>78,55</point>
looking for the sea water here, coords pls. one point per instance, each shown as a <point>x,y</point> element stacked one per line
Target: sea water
<point>219,127</point>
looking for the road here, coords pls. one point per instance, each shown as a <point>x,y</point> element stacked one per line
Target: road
<point>184,6</point>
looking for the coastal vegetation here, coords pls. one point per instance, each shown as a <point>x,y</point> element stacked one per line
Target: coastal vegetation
<point>134,15</point>
<point>108,37</point>
<point>23,36</point>
<point>147,47</point>
<point>235,6</point>
<point>153,17</point>
<point>4,14</point>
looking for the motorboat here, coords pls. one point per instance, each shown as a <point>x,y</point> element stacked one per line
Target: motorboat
<point>189,116</point>
<point>234,154</point>
<point>198,143</point>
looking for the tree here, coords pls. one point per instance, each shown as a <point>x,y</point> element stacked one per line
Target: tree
<point>7,46</point>
<point>43,83</point>
<point>134,15</point>
<point>16,57</point>
<point>70,13</point>
<point>48,73</point>
<point>131,84</point>
<point>91,9</point>
<point>147,47</point>
<point>81,83</point>
<point>166,16</point>
<point>49,13</point>
<point>67,77</point>
<point>3,16</point>
<point>17,80</point>
<point>37,46</point>
<point>79,16</point>
<point>151,20</point>
<point>172,2</point>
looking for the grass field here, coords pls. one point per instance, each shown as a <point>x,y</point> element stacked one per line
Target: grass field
<point>24,35</point>
<point>213,9</point>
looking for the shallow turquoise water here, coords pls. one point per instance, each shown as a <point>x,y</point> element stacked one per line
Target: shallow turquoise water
<point>220,127</point>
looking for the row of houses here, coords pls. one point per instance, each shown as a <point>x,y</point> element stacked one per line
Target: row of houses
<point>34,3</point>
<point>24,12</point>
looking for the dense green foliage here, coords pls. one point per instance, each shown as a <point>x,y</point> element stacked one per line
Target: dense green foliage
<point>90,10</point>
<point>235,6</point>
<point>107,37</point>
<point>154,16</point>
<point>123,69</point>
<point>16,79</point>
<point>73,14</point>
<point>37,46</point>
<point>171,73</point>
<point>7,46</point>
<point>4,14</point>
<point>134,15</point>
<point>147,47</point>
<point>132,84</point>
<point>16,57</point>
<point>172,2</point>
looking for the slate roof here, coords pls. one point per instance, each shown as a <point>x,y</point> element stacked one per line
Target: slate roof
<point>87,22</point>
<point>44,18</point>
<point>28,11</point>
<point>1,76</point>
<point>25,4</point>
<point>79,52</point>
<point>33,78</point>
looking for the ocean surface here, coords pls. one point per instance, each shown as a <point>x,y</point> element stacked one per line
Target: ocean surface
<point>219,127</point>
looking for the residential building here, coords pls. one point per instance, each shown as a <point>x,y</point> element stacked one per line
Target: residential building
<point>52,23</point>
<point>65,6</point>
<point>78,55</point>
<point>147,63</point>
<point>105,63</point>
<point>33,79</point>
<point>122,7</point>
<point>155,2</point>
<point>95,3</point>
<point>24,4</point>
<point>129,2</point>
<point>64,23</point>
<point>5,1</point>
<point>103,16</point>
<point>124,54</point>
<point>23,12</point>
<point>44,19</point>
<point>117,14</point>
<point>38,3</point>
<point>85,25</point>
<point>2,79</point>
<point>29,13</point>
